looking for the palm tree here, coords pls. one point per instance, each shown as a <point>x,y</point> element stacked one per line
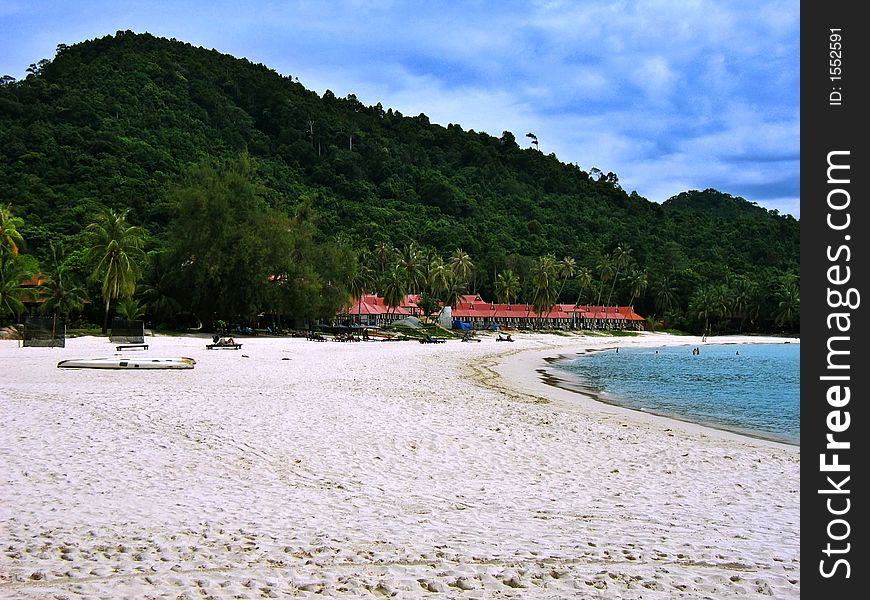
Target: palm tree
<point>361,280</point>
<point>754,303</point>
<point>461,264</point>
<point>395,287</point>
<point>584,278</point>
<point>360,283</point>
<point>456,287</point>
<point>439,277</point>
<point>14,270</point>
<point>63,294</point>
<point>637,281</point>
<point>10,237</point>
<point>159,286</point>
<point>460,267</point>
<point>665,294</point>
<point>702,306</point>
<point>115,247</point>
<point>507,287</point>
<point>130,309</point>
<point>789,303</point>
<point>413,262</point>
<point>384,256</point>
<point>605,272</point>
<point>544,279</point>
<point>441,280</point>
<point>742,292</point>
<point>565,268</point>
<point>621,259</point>
<point>720,299</point>
<point>653,324</point>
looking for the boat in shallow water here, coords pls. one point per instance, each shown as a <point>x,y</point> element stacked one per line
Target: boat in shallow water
<point>118,362</point>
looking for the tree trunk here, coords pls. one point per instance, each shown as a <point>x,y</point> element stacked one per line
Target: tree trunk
<point>612,287</point>
<point>579,296</point>
<point>106,318</point>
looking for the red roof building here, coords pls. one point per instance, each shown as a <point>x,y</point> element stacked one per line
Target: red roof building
<point>371,309</point>
<point>471,308</point>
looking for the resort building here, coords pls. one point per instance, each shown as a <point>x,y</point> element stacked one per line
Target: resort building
<point>371,309</point>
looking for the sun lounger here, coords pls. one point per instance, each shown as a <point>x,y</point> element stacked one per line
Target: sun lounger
<point>223,344</point>
<point>121,347</point>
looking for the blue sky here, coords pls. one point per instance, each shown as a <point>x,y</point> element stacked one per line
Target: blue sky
<point>669,95</point>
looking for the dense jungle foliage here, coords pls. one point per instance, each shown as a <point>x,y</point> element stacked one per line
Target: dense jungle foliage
<point>241,192</point>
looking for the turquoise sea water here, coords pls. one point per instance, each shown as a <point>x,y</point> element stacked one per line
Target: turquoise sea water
<point>750,388</point>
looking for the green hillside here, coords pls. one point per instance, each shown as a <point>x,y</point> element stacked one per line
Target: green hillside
<point>139,122</point>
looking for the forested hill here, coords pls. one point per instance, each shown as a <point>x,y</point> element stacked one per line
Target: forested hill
<point>119,120</point>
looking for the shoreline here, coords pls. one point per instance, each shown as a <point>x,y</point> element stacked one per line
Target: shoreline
<point>294,468</point>
<point>558,377</point>
<point>528,373</point>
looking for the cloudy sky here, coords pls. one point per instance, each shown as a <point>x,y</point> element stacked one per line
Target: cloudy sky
<point>669,95</point>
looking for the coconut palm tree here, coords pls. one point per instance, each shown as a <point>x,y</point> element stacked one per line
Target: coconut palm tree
<point>439,277</point>
<point>457,287</point>
<point>413,262</point>
<point>702,306</point>
<point>742,292</point>
<point>360,282</point>
<point>159,286</point>
<point>442,281</point>
<point>130,309</point>
<point>10,237</point>
<point>115,248</point>
<point>14,270</point>
<point>544,281</point>
<point>461,264</point>
<point>62,294</point>
<point>584,278</point>
<point>665,294</point>
<point>637,281</point>
<point>395,287</point>
<point>384,256</point>
<point>621,260</point>
<point>720,298</point>
<point>653,324</point>
<point>507,287</point>
<point>459,267</point>
<point>565,269</point>
<point>788,304</point>
<point>605,272</point>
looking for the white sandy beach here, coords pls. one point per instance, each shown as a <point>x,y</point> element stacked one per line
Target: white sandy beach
<point>297,468</point>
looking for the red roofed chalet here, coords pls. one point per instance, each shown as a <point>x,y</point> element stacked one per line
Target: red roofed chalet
<point>470,308</point>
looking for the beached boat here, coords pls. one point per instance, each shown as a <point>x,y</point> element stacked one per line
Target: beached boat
<point>117,362</point>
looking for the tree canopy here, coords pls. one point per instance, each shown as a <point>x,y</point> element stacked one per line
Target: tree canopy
<point>231,168</point>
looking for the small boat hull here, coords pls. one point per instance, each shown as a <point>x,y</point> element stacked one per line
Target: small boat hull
<point>117,362</point>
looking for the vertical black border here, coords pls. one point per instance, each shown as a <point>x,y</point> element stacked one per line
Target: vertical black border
<point>827,127</point>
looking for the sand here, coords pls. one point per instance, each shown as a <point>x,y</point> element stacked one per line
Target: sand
<point>371,469</point>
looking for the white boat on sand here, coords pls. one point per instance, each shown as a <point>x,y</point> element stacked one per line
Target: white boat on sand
<point>120,362</point>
